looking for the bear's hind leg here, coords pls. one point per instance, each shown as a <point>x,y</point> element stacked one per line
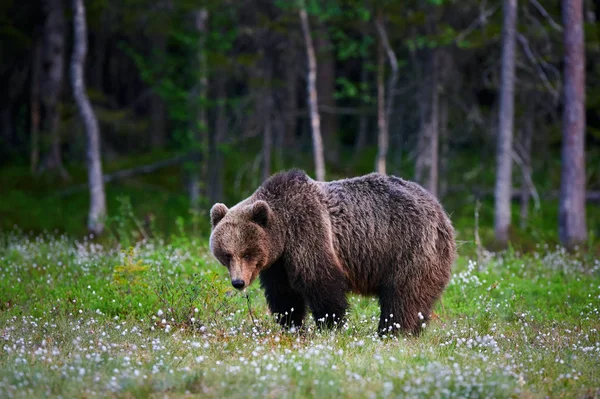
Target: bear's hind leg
<point>402,310</point>
<point>283,301</point>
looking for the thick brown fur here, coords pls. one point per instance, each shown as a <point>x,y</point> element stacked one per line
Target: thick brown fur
<point>313,242</point>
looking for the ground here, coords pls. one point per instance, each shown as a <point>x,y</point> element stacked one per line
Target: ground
<point>82,319</point>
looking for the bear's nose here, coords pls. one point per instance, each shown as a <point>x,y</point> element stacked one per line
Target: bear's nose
<point>238,284</point>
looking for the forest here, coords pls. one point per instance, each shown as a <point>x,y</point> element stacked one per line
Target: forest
<point>123,122</point>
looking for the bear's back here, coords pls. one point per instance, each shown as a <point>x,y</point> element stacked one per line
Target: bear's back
<point>382,220</point>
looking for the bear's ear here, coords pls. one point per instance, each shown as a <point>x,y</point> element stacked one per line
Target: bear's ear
<point>260,213</point>
<point>217,212</point>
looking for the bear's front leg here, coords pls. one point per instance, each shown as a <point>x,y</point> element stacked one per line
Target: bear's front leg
<point>326,298</point>
<point>286,303</point>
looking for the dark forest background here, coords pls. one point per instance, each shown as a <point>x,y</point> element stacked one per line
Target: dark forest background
<point>199,101</point>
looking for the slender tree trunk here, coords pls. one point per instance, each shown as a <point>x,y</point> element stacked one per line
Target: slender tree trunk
<point>97,210</point>
<point>382,135</point>
<point>312,97</point>
<point>572,224</point>
<point>35,106</point>
<point>216,167</point>
<point>505,125</point>
<point>325,91</point>
<point>434,131</point>
<point>426,170</point>
<point>199,124</point>
<point>363,122</point>
<point>53,58</point>
<point>384,111</point>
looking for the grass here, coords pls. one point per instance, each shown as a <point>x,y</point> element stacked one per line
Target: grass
<point>146,310</point>
<point>154,318</point>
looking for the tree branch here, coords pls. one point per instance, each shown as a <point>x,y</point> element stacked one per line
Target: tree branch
<point>480,20</point>
<point>528,180</point>
<point>538,67</point>
<point>546,15</point>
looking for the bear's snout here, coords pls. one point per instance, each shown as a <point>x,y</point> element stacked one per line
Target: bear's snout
<point>238,284</point>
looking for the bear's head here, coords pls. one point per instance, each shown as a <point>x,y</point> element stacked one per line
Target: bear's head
<point>242,240</point>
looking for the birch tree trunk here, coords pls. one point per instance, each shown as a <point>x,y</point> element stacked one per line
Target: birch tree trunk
<point>503,188</point>
<point>97,211</point>
<point>199,123</point>
<point>312,97</point>
<point>572,224</point>
<point>384,111</point>
<point>426,168</point>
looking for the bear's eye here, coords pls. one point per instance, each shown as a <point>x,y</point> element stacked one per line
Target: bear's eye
<point>247,257</point>
<point>227,258</point>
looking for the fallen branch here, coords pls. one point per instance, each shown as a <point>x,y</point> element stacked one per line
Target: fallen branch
<point>138,170</point>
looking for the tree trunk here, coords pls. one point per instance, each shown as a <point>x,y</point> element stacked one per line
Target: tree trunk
<point>97,210</point>
<point>325,91</point>
<point>216,164</point>
<point>384,112</point>
<point>199,124</point>
<point>313,98</point>
<point>36,69</point>
<point>431,182</point>
<point>505,125</point>
<point>426,170</point>
<point>572,224</point>
<point>53,56</point>
<point>382,135</point>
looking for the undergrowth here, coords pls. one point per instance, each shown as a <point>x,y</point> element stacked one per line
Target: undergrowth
<point>79,318</point>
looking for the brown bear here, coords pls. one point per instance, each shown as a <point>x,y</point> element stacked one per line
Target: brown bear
<point>312,242</point>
